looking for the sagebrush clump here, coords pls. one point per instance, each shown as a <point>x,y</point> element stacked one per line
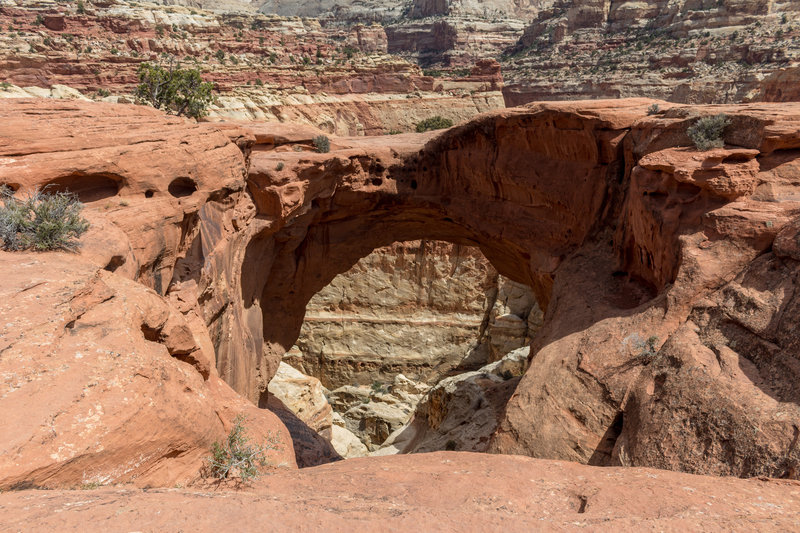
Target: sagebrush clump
<point>708,132</point>
<point>434,123</point>
<point>237,455</point>
<point>40,221</point>
<point>322,144</point>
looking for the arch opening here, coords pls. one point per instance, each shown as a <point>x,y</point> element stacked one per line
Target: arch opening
<point>417,337</point>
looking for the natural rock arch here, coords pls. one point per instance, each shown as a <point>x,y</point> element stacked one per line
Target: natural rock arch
<point>526,200</point>
<point>568,198</point>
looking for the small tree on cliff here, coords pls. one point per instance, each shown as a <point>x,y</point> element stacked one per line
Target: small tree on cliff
<point>175,90</point>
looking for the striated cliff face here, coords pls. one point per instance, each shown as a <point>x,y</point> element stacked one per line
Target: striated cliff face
<point>664,274</point>
<point>695,52</point>
<point>402,319</point>
<point>263,67</point>
<point>422,309</point>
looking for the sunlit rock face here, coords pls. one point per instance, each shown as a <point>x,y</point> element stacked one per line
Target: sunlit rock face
<point>424,309</point>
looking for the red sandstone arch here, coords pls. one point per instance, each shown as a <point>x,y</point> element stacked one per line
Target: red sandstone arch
<point>596,212</point>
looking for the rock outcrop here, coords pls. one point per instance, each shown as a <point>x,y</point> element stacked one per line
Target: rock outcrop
<point>662,271</point>
<point>460,412</point>
<point>105,378</point>
<point>440,491</point>
<point>692,52</point>
<point>422,309</point>
<point>614,228</point>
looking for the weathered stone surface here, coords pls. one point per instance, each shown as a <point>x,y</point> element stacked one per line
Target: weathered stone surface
<point>263,67</point>
<point>421,309</point>
<point>304,396</point>
<point>510,493</point>
<point>345,442</point>
<point>89,397</point>
<point>554,196</point>
<point>460,412</point>
<point>680,51</point>
<point>615,251</point>
<point>131,390</point>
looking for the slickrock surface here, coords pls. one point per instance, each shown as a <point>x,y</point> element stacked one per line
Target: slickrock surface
<point>442,491</point>
<point>103,378</point>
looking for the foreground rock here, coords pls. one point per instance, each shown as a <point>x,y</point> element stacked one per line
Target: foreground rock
<point>471,492</point>
<point>103,378</point>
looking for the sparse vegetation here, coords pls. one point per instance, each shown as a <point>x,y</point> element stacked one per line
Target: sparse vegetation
<point>237,455</point>
<point>653,109</point>
<point>322,144</point>
<point>647,348</point>
<point>178,91</point>
<point>707,132</point>
<point>279,166</point>
<point>40,221</point>
<point>81,8</point>
<point>434,123</point>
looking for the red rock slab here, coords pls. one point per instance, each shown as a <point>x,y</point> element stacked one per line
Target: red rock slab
<point>443,491</point>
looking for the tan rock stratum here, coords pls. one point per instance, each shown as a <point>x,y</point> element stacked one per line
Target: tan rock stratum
<point>666,277</point>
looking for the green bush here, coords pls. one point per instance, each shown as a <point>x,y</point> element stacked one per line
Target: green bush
<point>653,110</point>
<point>322,144</point>
<point>178,91</point>
<point>237,455</point>
<point>40,221</point>
<point>707,132</point>
<point>434,123</point>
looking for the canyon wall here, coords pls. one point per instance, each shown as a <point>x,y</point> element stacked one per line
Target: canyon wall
<point>422,309</point>
<point>263,67</point>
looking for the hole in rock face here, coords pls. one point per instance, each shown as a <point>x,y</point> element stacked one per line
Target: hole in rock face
<point>182,187</point>
<point>149,193</point>
<point>87,187</point>
<point>425,327</point>
<point>13,186</point>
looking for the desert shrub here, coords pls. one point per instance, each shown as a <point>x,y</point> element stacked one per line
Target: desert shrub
<point>279,166</point>
<point>653,109</point>
<point>81,8</point>
<point>322,144</point>
<point>707,132</point>
<point>176,90</point>
<point>40,221</point>
<point>434,123</point>
<point>647,348</point>
<point>237,455</point>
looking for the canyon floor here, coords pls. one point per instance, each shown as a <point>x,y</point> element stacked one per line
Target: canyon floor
<point>443,491</point>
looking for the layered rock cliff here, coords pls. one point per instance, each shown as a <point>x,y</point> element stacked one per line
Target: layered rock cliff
<point>263,67</point>
<point>694,52</point>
